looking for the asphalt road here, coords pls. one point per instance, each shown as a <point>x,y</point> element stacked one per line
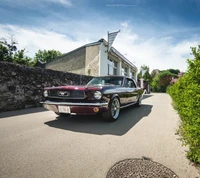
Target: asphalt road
<point>36,143</point>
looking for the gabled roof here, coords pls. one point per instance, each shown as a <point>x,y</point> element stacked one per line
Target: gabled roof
<point>116,52</point>
<point>86,45</point>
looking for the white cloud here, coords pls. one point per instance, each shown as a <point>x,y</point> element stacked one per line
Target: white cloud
<point>34,3</point>
<point>35,39</point>
<point>156,52</point>
<point>64,2</point>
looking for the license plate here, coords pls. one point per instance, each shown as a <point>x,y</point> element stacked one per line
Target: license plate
<point>64,109</point>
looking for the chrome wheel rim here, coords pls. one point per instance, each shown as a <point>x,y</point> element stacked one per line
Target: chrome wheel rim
<point>115,107</point>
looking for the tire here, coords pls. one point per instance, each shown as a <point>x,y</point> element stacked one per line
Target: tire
<point>113,110</point>
<point>139,102</point>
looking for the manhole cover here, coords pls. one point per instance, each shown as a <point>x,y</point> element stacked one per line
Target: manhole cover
<point>140,168</point>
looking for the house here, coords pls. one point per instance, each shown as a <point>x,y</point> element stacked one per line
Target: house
<point>95,60</point>
<point>155,72</point>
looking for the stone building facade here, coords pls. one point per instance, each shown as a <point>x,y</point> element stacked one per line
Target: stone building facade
<point>94,59</point>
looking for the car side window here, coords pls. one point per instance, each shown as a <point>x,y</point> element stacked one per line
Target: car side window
<point>134,85</point>
<point>130,83</point>
<point>126,83</point>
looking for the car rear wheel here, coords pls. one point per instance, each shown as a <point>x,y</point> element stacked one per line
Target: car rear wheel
<point>113,110</point>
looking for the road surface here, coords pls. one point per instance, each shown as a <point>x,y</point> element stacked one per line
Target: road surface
<point>36,143</point>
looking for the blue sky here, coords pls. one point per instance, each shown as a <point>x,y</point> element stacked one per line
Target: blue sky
<point>156,33</point>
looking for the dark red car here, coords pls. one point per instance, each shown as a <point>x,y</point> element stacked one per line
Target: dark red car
<point>105,95</point>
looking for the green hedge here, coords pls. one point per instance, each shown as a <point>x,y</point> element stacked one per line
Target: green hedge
<point>186,97</point>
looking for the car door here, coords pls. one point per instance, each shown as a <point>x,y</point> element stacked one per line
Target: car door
<point>121,91</point>
<point>131,91</point>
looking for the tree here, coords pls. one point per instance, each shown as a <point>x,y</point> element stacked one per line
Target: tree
<point>45,56</point>
<point>10,53</point>
<point>147,77</point>
<point>20,58</point>
<point>7,49</point>
<point>3,52</point>
<point>162,81</point>
<point>174,71</point>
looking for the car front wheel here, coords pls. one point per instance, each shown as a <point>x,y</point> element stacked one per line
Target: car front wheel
<point>139,102</point>
<point>113,110</point>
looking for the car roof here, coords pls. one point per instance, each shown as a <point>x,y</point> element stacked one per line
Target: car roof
<point>113,76</point>
<point>110,76</point>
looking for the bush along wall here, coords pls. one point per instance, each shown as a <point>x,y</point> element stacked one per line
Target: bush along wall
<point>186,96</point>
<point>22,86</point>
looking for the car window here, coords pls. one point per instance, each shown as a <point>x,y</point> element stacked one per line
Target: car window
<point>129,83</point>
<point>106,81</point>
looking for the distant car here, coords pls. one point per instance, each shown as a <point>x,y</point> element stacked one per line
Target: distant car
<point>105,95</point>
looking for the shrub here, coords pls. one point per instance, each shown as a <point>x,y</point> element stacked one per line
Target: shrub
<point>186,95</point>
<point>162,81</point>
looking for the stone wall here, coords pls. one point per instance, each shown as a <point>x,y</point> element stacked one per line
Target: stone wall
<point>73,61</point>
<point>22,87</point>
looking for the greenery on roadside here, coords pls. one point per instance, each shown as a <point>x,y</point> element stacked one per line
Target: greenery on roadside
<point>161,81</point>
<point>9,52</point>
<point>186,97</point>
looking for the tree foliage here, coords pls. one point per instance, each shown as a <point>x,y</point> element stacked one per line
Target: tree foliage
<point>21,58</point>
<point>174,71</point>
<point>186,96</point>
<point>7,49</point>
<point>46,55</point>
<point>147,76</point>
<point>162,81</point>
<point>10,53</point>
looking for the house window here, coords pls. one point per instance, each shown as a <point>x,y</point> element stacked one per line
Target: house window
<point>124,71</point>
<point>112,67</point>
<point>132,75</point>
<point>115,68</point>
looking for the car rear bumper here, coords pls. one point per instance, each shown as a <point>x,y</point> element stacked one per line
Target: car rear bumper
<point>76,108</point>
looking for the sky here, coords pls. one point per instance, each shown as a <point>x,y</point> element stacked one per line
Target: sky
<point>156,33</point>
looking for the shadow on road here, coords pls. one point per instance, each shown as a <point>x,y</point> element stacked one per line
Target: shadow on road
<point>95,125</point>
<point>21,112</point>
<point>146,96</point>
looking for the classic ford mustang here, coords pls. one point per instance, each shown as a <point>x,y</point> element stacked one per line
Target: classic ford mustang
<point>105,95</point>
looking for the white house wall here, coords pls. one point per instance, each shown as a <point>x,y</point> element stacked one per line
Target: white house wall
<point>103,56</point>
<point>103,61</point>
